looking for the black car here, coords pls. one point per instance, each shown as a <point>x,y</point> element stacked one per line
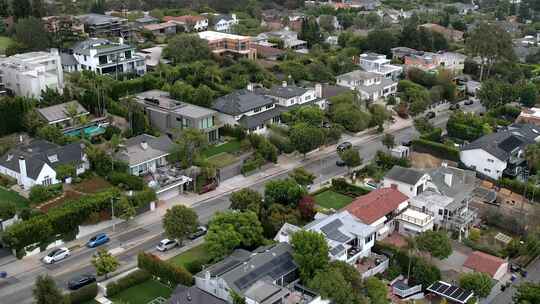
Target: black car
<point>468,102</point>
<point>340,163</point>
<point>81,281</point>
<point>201,230</point>
<point>344,146</point>
<point>430,115</point>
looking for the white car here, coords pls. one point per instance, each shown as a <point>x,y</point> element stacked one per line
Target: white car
<point>166,244</point>
<point>56,255</point>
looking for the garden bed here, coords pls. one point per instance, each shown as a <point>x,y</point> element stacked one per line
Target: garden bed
<point>92,185</point>
<point>143,293</point>
<point>330,199</point>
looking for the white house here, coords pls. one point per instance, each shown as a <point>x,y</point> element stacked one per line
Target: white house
<point>224,22</point>
<point>371,86</point>
<point>104,57</point>
<point>145,153</point>
<point>288,96</point>
<point>410,182</point>
<point>36,163</point>
<point>501,152</point>
<point>377,63</point>
<point>413,222</point>
<point>189,22</point>
<point>29,74</point>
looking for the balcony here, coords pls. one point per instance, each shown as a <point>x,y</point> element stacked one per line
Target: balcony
<point>401,289</point>
<point>372,265</point>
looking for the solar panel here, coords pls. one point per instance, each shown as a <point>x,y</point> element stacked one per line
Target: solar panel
<point>274,269</point>
<point>225,267</point>
<point>450,292</point>
<point>331,230</point>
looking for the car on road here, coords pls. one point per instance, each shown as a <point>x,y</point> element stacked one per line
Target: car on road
<point>166,244</point>
<point>201,230</point>
<point>340,163</point>
<point>56,255</point>
<point>81,281</point>
<point>468,102</point>
<point>430,115</point>
<point>455,106</point>
<point>344,146</point>
<point>97,240</point>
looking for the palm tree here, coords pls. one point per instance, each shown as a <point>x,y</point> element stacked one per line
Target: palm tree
<point>412,248</point>
<point>113,145</point>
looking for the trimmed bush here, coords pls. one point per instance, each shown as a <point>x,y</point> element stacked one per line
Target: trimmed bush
<point>168,273</point>
<point>135,278</point>
<point>126,181</point>
<point>83,294</point>
<point>436,149</point>
<point>40,193</point>
<point>341,186</point>
<point>252,164</point>
<point>142,198</point>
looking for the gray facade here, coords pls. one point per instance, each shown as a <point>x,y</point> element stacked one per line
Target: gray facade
<point>170,116</point>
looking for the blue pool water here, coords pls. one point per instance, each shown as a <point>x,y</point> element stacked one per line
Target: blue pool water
<point>88,131</point>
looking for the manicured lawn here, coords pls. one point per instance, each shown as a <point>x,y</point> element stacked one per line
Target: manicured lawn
<point>143,293</point>
<point>331,199</point>
<point>193,254</point>
<point>229,147</point>
<point>5,42</point>
<point>222,160</point>
<point>12,196</point>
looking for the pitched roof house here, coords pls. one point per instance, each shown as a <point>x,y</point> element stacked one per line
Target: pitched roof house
<point>491,265</point>
<point>370,85</point>
<point>410,182</point>
<point>58,115</point>
<point>145,153</point>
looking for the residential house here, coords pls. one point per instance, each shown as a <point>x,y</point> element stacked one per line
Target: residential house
<point>448,33</point>
<point>171,116</point>
<point>153,57</point>
<point>371,86</point>
<point>189,22</point>
<point>452,61</point>
<point>269,53</point>
<point>500,153</point>
<point>35,163</point>
<point>63,24</point>
<point>145,153</point>
<point>248,108</point>
<point>428,61</point>
<point>289,38</point>
<point>224,44</point>
<point>28,74</point>
<point>224,22</point>
<point>464,8</point>
<point>103,57</point>
<point>393,16</point>
<point>63,115</point>
<point>529,116</point>
<point>491,265</point>
<point>289,96</point>
<point>399,53</point>
<point>267,275</point>
<point>193,295</point>
<point>413,222</point>
<point>379,209</point>
<point>526,46</point>
<point>97,25</point>
<point>410,182</point>
<point>376,63</point>
<point>161,29</point>
<point>145,20</point>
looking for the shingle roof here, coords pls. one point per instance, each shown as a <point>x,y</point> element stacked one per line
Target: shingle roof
<point>193,295</point>
<point>358,75</point>
<point>134,153</point>
<point>483,262</point>
<point>376,204</point>
<point>260,118</point>
<point>240,101</point>
<point>461,183</point>
<point>59,112</point>
<point>288,91</point>
<point>405,175</point>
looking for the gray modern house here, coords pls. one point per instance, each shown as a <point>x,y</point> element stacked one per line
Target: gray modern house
<point>170,116</point>
<point>103,25</point>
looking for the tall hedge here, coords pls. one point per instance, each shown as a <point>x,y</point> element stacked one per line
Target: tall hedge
<point>84,294</point>
<point>165,271</point>
<point>60,220</point>
<point>436,149</point>
<point>135,278</point>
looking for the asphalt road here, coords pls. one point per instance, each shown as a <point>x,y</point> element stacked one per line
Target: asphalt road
<point>18,288</point>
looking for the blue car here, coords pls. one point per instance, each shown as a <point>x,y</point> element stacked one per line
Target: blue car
<point>97,240</point>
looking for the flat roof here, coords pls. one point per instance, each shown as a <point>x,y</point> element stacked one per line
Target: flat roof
<point>416,214</point>
<point>211,36</point>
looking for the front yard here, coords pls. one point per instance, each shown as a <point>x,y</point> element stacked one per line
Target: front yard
<point>330,199</point>
<point>222,159</point>
<point>92,185</point>
<point>143,293</point>
<point>7,195</point>
<point>197,253</point>
<point>231,146</point>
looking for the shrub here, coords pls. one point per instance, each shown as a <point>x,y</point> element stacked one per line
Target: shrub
<point>142,198</point>
<point>40,193</point>
<point>7,210</point>
<point>166,272</point>
<point>83,294</point>
<point>341,186</point>
<point>237,132</point>
<point>135,278</point>
<point>194,266</point>
<point>436,149</point>
<point>126,181</point>
<point>7,181</point>
<point>252,164</point>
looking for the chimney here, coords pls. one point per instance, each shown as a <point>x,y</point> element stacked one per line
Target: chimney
<point>144,145</point>
<point>21,139</point>
<point>22,167</point>
<point>284,84</point>
<point>448,179</point>
<point>318,90</point>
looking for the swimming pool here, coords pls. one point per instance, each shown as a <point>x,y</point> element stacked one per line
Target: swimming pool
<point>88,131</point>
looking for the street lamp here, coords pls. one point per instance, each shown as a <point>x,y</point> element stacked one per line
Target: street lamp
<point>112,214</point>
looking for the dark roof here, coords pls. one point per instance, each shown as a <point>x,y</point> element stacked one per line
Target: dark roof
<point>329,90</point>
<point>240,101</point>
<point>450,292</point>
<point>193,295</point>
<point>41,152</point>
<point>68,59</point>
<point>501,144</point>
<point>135,152</point>
<point>288,91</point>
<point>260,118</point>
<point>405,175</point>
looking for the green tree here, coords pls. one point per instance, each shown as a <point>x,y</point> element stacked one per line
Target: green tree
<point>203,96</point>
<point>422,125</point>
<point>31,34</point>
<point>326,22</point>
<point>21,9</point>
<point>477,282</point>
<point>189,146</point>
<point>306,138</point>
<point>350,117</point>
<point>532,155</point>
<point>179,222</point>
<point>221,242</point>
<point>437,243</point>
<point>302,176</point>
<point>4,8</point>
<point>528,95</point>
<point>277,215</point>
<point>46,292</point>
<point>38,8</point>
<point>527,293</point>
<point>283,191</point>
<point>52,133</point>
<point>311,32</point>
<point>310,253</point>
<point>377,291</point>
<point>495,93</point>
<point>104,262</point>
<point>381,41</point>
<point>351,157</point>
<point>124,209</point>
<point>331,284</point>
<point>186,48</point>
<point>246,199</point>
<point>389,141</point>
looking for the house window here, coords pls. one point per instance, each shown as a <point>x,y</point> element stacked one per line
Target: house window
<point>269,106</point>
<point>440,211</point>
<point>47,181</point>
<point>490,160</point>
<point>256,110</point>
<point>206,123</point>
<point>368,239</point>
<point>487,170</point>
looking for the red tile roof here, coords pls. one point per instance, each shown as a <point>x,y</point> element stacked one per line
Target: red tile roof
<point>376,204</point>
<point>483,262</point>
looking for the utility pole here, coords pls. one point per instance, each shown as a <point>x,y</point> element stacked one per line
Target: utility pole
<point>112,214</point>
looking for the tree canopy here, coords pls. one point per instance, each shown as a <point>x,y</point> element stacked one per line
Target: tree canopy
<point>437,243</point>
<point>179,222</point>
<point>477,282</point>
<point>310,253</point>
<point>186,48</point>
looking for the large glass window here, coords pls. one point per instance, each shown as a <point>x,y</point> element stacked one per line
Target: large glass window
<point>206,123</point>
<point>103,59</point>
<point>128,54</point>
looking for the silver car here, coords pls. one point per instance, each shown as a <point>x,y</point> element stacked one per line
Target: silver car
<point>166,244</point>
<point>56,255</point>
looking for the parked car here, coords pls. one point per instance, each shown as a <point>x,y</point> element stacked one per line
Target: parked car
<point>97,240</point>
<point>56,255</point>
<point>430,115</point>
<point>340,163</point>
<point>166,244</point>
<point>455,106</point>
<point>468,102</point>
<point>81,281</point>
<point>344,146</point>
<point>201,230</point>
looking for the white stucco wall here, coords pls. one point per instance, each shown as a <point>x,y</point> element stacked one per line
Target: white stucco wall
<point>481,161</point>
